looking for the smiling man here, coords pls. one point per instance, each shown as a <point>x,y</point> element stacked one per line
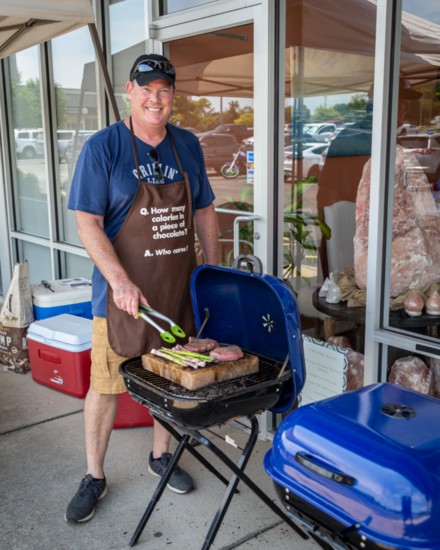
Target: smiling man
<point>129,178</point>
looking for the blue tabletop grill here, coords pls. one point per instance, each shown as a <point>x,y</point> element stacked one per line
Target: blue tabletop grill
<point>235,307</point>
<point>362,470</point>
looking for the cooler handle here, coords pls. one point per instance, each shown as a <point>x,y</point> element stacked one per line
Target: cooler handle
<point>312,464</point>
<point>49,356</point>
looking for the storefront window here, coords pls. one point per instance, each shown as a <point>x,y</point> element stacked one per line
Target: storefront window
<point>76,109</point>
<point>39,260</point>
<point>30,184</point>
<point>329,67</point>
<point>414,255</point>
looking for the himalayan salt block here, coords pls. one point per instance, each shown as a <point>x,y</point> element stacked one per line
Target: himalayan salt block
<point>340,341</point>
<point>355,372</point>
<point>433,304</point>
<point>434,365</point>
<point>412,373</point>
<point>415,253</point>
<point>413,303</point>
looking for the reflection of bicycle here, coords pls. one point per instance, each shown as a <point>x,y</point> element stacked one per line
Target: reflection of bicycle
<point>238,166</point>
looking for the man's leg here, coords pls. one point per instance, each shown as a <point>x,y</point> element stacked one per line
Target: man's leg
<point>161,440</point>
<point>180,482</point>
<point>99,418</point>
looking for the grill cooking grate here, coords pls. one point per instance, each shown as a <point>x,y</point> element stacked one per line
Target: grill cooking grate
<point>268,372</point>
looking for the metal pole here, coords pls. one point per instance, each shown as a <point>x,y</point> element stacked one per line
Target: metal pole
<point>103,66</point>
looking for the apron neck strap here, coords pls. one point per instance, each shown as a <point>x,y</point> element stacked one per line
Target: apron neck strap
<point>135,153</point>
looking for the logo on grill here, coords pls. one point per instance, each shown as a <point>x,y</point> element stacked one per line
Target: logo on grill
<point>268,323</point>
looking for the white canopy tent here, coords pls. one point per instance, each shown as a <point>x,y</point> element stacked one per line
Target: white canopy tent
<point>329,46</point>
<point>26,23</point>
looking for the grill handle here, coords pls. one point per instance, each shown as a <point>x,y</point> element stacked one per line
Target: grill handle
<point>253,263</point>
<point>205,320</point>
<point>311,463</point>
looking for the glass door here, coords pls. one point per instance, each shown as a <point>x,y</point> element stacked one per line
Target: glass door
<point>218,87</point>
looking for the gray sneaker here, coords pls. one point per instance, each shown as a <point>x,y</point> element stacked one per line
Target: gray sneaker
<point>180,482</point>
<point>82,506</point>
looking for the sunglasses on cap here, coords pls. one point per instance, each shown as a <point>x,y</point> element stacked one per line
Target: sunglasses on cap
<point>149,65</point>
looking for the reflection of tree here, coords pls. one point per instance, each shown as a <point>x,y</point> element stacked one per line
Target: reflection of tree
<point>194,113</point>
<point>200,114</point>
<point>348,112</point>
<point>26,104</point>
<point>61,99</point>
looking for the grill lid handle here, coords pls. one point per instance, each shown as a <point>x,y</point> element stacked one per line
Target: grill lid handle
<point>253,263</point>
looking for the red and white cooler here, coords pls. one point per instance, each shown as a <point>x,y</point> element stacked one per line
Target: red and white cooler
<point>59,353</point>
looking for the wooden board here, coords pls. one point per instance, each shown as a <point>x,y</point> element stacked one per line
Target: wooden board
<point>192,379</point>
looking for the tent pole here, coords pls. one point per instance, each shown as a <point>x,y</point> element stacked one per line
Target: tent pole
<point>103,66</point>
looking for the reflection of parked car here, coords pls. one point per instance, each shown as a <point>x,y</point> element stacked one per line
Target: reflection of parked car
<point>312,160</point>
<point>319,131</point>
<point>75,144</point>
<point>426,148</point>
<point>240,131</point>
<point>28,143</point>
<point>217,148</point>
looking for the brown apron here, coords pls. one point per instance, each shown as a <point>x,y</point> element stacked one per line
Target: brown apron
<point>155,245</point>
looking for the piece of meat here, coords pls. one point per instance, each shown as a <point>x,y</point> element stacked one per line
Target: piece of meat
<point>200,345</point>
<point>227,353</point>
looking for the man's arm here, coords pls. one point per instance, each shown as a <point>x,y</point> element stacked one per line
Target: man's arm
<point>206,226</point>
<point>126,295</point>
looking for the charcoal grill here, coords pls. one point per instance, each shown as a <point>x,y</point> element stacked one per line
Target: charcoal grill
<point>259,313</point>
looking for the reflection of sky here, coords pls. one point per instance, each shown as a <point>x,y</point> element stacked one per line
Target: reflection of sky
<point>179,5</point>
<point>131,15</point>
<point>428,9</point>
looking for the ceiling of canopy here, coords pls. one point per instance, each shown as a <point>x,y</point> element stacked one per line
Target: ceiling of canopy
<point>25,23</point>
<point>328,51</point>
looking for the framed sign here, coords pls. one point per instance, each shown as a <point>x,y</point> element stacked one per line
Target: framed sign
<point>326,370</point>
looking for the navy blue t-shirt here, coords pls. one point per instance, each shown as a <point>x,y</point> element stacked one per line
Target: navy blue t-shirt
<point>105,181</point>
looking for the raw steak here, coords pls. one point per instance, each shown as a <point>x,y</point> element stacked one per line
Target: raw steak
<point>415,255</point>
<point>227,353</point>
<point>202,345</point>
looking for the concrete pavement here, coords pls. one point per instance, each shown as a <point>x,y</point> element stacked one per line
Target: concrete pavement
<point>42,462</point>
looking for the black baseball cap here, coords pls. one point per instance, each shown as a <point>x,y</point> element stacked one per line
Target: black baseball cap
<point>150,67</point>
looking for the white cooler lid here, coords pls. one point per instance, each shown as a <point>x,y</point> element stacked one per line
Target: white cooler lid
<point>65,292</point>
<point>63,331</point>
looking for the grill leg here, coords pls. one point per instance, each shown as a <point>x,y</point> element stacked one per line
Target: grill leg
<point>238,471</point>
<point>196,435</point>
<point>160,488</point>
<point>233,482</point>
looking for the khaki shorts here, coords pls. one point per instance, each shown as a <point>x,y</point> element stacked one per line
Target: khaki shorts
<point>104,376</point>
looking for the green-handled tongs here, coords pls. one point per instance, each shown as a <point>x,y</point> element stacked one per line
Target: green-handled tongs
<point>164,334</point>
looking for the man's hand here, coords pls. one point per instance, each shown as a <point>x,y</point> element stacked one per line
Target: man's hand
<point>127,297</point>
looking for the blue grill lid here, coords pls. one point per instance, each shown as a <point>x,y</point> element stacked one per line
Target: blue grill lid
<point>257,312</point>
